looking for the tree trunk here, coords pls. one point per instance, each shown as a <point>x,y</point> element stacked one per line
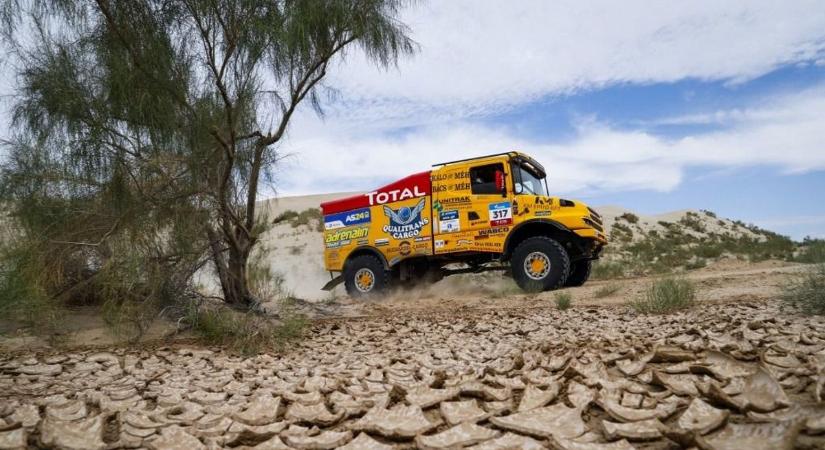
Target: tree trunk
<point>230,265</point>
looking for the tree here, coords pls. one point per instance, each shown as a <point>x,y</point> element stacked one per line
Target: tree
<point>156,121</point>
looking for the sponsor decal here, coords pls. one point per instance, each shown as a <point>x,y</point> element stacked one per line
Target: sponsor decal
<point>382,242</point>
<point>379,198</point>
<point>347,219</point>
<point>455,202</point>
<point>461,187</point>
<point>345,236</point>
<point>448,221</point>
<point>440,243</point>
<point>405,222</point>
<point>500,214</point>
<point>404,248</point>
<point>485,233</point>
<point>464,242</point>
<point>422,238</point>
<point>363,242</point>
<point>542,213</point>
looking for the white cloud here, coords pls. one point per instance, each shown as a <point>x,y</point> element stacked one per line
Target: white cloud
<point>784,132</point>
<point>482,55</point>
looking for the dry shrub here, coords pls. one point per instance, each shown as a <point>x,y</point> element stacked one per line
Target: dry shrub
<point>807,291</point>
<point>666,295</point>
<point>607,290</point>
<point>563,300</point>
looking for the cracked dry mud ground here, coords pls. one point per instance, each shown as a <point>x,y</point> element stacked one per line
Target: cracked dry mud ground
<point>722,376</point>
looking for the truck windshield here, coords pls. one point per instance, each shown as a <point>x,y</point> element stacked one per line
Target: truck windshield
<point>526,181</point>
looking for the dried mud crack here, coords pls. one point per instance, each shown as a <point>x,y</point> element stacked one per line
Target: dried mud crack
<point>721,376</point>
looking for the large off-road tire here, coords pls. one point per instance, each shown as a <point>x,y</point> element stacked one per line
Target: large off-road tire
<point>579,273</point>
<point>365,276</point>
<point>540,264</point>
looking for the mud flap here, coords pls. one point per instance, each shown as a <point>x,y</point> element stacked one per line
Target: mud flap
<point>332,283</point>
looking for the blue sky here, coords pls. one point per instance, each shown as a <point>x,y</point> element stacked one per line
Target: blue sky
<point>652,106</point>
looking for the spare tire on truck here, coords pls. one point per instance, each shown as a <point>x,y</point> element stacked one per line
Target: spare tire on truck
<point>540,263</point>
<point>364,276</point>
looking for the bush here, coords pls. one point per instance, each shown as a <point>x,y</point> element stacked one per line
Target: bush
<point>244,332</point>
<point>563,300</point>
<point>605,270</point>
<point>286,216</point>
<point>666,295</point>
<point>807,292</point>
<point>629,217</point>
<point>607,290</point>
<point>698,263</point>
<point>306,216</point>
<point>812,251</point>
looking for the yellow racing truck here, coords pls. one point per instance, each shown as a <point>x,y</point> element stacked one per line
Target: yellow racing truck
<point>486,213</point>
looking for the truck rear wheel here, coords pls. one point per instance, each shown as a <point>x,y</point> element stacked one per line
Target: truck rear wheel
<point>364,276</point>
<point>540,264</point>
<point>579,273</point>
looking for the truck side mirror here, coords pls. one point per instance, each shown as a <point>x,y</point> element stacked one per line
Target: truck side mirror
<point>500,182</point>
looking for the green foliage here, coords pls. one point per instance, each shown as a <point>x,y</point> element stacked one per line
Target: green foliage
<point>607,290</point>
<point>22,295</point>
<point>138,149</point>
<point>665,296</point>
<point>605,270</point>
<point>629,217</point>
<point>812,251</point>
<point>807,292</point>
<point>709,213</point>
<point>563,300</point>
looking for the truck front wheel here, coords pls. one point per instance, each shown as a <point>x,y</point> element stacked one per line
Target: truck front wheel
<point>364,276</point>
<point>579,273</point>
<point>540,264</point>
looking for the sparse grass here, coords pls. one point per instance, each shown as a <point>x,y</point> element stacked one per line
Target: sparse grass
<point>605,270</point>
<point>607,290</point>
<point>666,295</point>
<point>563,300</point>
<point>629,217</point>
<point>807,291</point>
<point>244,332</point>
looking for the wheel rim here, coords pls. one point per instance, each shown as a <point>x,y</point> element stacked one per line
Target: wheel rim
<point>364,280</point>
<point>537,265</point>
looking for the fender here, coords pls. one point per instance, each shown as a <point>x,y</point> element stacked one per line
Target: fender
<point>548,222</point>
<point>371,250</point>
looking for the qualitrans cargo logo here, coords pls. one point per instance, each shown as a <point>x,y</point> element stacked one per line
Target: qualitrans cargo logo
<point>405,222</point>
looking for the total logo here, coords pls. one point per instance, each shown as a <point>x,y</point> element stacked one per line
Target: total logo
<point>379,198</point>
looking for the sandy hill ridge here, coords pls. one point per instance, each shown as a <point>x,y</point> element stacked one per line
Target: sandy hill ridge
<point>294,250</point>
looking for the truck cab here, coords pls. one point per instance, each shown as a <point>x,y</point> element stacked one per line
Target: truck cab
<point>486,213</point>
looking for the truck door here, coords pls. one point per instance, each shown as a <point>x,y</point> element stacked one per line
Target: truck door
<point>470,207</point>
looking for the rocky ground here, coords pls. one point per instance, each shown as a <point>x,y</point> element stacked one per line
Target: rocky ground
<point>727,375</point>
